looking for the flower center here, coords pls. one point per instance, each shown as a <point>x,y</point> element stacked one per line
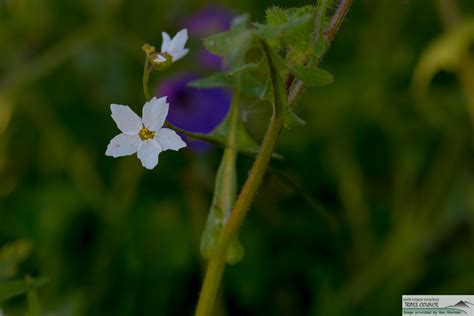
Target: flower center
<point>145,133</point>
<point>167,56</point>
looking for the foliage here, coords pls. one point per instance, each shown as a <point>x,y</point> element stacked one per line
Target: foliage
<point>372,200</point>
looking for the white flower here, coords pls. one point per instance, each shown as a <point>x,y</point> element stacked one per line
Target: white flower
<point>173,48</point>
<point>144,136</point>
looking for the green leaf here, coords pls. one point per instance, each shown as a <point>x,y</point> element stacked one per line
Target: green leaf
<point>320,47</point>
<point>234,44</point>
<point>243,142</point>
<point>278,88</point>
<point>225,189</point>
<point>213,81</point>
<point>248,85</point>
<point>272,32</point>
<point>312,76</point>
<point>9,289</point>
<point>245,68</point>
<point>11,255</point>
<point>276,16</point>
<point>293,120</point>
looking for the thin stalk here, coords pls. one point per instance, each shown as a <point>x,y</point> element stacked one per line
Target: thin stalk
<point>146,77</point>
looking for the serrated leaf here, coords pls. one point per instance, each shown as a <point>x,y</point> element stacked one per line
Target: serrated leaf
<point>312,76</point>
<point>293,120</point>
<point>9,289</point>
<point>276,16</point>
<point>272,32</point>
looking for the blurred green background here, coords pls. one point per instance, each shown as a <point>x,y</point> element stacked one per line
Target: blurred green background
<point>375,197</point>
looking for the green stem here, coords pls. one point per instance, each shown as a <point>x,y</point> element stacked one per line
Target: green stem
<point>146,77</point>
<point>296,88</point>
<point>198,136</point>
<point>216,265</point>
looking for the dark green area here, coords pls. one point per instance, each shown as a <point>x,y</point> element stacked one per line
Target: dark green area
<point>374,199</point>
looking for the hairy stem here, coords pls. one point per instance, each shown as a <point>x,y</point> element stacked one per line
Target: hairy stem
<point>329,34</point>
<point>216,264</point>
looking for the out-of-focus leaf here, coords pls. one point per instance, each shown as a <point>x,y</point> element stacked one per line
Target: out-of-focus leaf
<point>233,44</point>
<point>243,142</point>
<point>6,110</point>
<point>9,289</point>
<point>444,53</point>
<point>293,120</point>
<point>312,76</point>
<point>34,307</point>
<point>11,255</point>
<point>244,68</point>
<point>252,80</point>
<point>213,81</point>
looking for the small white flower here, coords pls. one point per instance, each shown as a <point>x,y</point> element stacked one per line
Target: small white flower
<point>173,48</point>
<point>144,136</point>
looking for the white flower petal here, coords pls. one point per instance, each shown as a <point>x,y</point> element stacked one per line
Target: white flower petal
<point>148,153</point>
<point>123,145</point>
<point>127,121</point>
<point>180,54</point>
<point>154,113</point>
<point>159,59</point>
<point>165,45</point>
<point>178,42</point>
<point>168,139</point>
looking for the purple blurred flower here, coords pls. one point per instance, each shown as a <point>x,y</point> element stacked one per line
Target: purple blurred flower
<point>209,21</point>
<point>195,110</point>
